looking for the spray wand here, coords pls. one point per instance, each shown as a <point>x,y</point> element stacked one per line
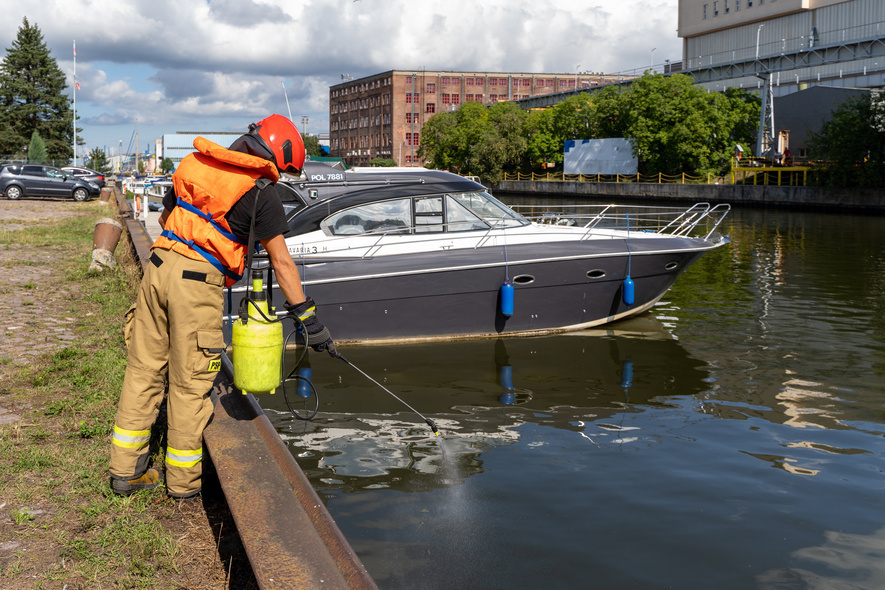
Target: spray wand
<point>422,416</point>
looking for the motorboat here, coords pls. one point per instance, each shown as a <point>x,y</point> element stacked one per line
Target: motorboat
<point>394,254</point>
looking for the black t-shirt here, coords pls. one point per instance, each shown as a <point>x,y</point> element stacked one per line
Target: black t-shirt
<point>270,218</point>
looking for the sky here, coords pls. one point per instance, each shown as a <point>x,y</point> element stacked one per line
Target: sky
<point>217,65</point>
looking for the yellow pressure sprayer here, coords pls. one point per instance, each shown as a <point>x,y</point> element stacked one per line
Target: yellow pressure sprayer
<point>257,339</point>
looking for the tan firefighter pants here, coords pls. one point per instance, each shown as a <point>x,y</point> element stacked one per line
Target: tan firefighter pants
<point>176,327</point>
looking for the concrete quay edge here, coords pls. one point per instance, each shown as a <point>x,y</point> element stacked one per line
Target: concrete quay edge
<point>761,196</point>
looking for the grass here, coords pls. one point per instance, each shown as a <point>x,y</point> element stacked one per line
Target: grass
<point>56,509</point>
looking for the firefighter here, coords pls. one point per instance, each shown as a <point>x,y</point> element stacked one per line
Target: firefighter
<point>175,332</point>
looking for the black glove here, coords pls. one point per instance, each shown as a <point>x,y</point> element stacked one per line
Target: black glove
<point>318,336</point>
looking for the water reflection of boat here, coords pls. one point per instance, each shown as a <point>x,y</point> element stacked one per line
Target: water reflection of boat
<point>391,254</point>
<point>361,437</point>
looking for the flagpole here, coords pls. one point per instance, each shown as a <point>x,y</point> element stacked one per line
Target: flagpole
<point>75,102</point>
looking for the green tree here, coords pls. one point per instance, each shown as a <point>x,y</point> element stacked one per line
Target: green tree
<point>476,140</point>
<point>850,146</point>
<point>382,163</point>
<point>676,127</point>
<point>32,97</point>
<point>167,165</point>
<point>312,145</point>
<point>502,144</point>
<point>36,149</point>
<point>98,161</point>
<point>439,146</point>
<point>543,144</point>
<point>576,118</point>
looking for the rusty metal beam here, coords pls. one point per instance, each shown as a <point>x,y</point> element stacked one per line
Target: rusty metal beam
<point>141,241</point>
<point>289,536</point>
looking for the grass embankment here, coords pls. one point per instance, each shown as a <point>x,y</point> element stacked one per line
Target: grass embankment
<point>60,525</point>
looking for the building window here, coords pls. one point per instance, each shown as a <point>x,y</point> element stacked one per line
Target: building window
<point>705,11</point>
<point>716,9</point>
<point>726,7</point>
<point>412,138</point>
<point>431,107</point>
<point>737,5</point>
<point>411,97</point>
<point>447,99</point>
<point>431,89</point>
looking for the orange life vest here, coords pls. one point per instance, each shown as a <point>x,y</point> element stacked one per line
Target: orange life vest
<point>208,183</point>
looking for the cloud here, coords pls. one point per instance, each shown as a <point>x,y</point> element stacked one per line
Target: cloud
<point>219,63</point>
<point>246,13</point>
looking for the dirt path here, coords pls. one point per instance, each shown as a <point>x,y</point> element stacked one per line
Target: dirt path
<point>33,293</point>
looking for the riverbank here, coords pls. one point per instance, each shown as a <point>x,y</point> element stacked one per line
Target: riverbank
<point>757,196</point>
<point>62,359</point>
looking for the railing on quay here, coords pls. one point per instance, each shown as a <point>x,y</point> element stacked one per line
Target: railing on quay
<point>749,171</point>
<point>658,178</point>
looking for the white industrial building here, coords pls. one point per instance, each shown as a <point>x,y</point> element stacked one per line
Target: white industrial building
<point>800,43</point>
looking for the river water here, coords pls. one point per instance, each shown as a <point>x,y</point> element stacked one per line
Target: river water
<point>732,437</point>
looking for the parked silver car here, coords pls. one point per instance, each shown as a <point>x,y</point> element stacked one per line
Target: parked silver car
<point>35,180</point>
<point>86,174</point>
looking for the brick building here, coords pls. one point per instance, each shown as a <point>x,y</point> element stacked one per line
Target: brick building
<point>381,116</point>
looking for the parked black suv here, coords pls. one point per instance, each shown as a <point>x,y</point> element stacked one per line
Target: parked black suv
<point>35,180</point>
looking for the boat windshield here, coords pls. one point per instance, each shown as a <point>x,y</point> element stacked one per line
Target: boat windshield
<point>452,212</point>
<point>490,209</point>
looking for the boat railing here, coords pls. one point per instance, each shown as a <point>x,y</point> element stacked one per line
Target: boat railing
<point>597,221</point>
<point>699,220</point>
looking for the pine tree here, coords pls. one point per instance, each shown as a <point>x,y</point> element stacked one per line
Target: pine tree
<point>36,149</point>
<point>32,97</point>
<point>98,161</point>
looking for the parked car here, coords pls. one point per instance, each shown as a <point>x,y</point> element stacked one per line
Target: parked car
<point>34,180</point>
<point>86,174</point>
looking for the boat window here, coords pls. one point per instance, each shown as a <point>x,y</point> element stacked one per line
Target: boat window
<point>428,214</point>
<point>381,217</point>
<point>460,218</point>
<point>490,209</point>
<point>292,201</point>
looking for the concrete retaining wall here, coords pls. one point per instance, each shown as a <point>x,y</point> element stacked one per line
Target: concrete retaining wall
<point>764,196</point>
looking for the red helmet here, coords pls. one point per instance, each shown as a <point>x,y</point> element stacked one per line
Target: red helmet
<point>282,139</point>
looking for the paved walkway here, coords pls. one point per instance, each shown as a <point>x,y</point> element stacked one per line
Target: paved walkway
<point>151,224</point>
